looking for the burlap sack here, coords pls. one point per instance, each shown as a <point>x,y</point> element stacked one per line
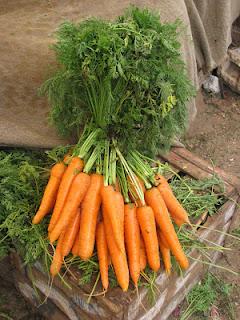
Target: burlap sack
<point>26,31</point>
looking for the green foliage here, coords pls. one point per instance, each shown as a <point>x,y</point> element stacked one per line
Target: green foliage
<point>21,184</point>
<point>125,77</point>
<point>198,196</point>
<point>204,295</point>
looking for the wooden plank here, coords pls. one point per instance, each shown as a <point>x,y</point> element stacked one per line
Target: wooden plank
<point>24,285</point>
<point>206,166</point>
<point>192,169</point>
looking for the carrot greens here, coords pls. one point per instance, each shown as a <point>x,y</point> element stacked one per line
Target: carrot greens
<point>127,76</point>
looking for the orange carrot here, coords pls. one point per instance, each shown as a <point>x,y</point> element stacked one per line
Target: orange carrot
<point>75,166</point>
<point>75,245</point>
<point>132,239</point>
<point>176,210</point>
<point>163,240</point>
<point>161,180</point>
<point>120,208</point>
<point>74,198</point>
<point>102,252</point>
<point>71,233</point>
<point>50,192</point>
<point>118,257</point>
<point>143,256</point>
<point>165,252</point>
<point>109,202</point>
<point>147,224</point>
<point>155,200</point>
<point>89,213</point>
<point>67,158</point>
<point>58,257</point>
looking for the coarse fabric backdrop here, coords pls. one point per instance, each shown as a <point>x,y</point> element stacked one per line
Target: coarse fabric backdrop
<point>27,30</point>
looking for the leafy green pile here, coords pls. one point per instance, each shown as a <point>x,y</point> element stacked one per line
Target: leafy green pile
<point>22,179</point>
<point>125,77</point>
<point>193,196</point>
<point>204,295</point>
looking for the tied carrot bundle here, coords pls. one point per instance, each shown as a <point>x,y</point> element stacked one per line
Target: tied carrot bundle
<point>75,166</point>
<point>147,224</point>
<point>102,252</point>
<point>132,239</point>
<point>89,213</point>
<point>111,209</point>
<point>118,257</point>
<point>165,253</point>
<point>50,193</point>
<point>143,256</point>
<point>75,196</point>
<point>58,257</point>
<point>155,200</point>
<point>71,233</point>
<point>176,210</point>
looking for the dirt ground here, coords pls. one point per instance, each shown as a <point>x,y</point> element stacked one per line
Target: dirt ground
<point>215,133</point>
<point>214,136</point>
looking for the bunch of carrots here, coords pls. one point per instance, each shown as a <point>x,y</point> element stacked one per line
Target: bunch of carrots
<point>128,220</point>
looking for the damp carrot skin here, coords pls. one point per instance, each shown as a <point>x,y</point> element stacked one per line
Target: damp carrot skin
<point>154,199</point>
<point>176,210</point>
<point>75,166</point>
<point>132,239</point>
<point>120,208</point>
<point>57,258</point>
<point>89,213</point>
<point>118,257</point>
<point>147,225</point>
<point>111,209</point>
<point>165,253</point>
<point>163,240</point>
<point>75,245</point>
<point>71,233</point>
<point>103,255</point>
<point>143,255</point>
<point>75,196</point>
<point>50,192</point>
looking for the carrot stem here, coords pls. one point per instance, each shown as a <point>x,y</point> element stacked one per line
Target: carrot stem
<point>99,165</point>
<point>142,169</point>
<point>131,175</point>
<point>92,159</point>
<point>88,143</point>
<point>112,167</point>
<point>123,182</point>
<point>106,163</point>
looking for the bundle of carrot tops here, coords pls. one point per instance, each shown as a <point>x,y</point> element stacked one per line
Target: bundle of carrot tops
<point>121,87</point>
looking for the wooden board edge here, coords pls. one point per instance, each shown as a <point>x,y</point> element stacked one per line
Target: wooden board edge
<point>206,166</point>
<point>193,170</point>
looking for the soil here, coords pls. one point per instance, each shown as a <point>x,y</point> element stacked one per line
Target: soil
<point>215,133</point>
